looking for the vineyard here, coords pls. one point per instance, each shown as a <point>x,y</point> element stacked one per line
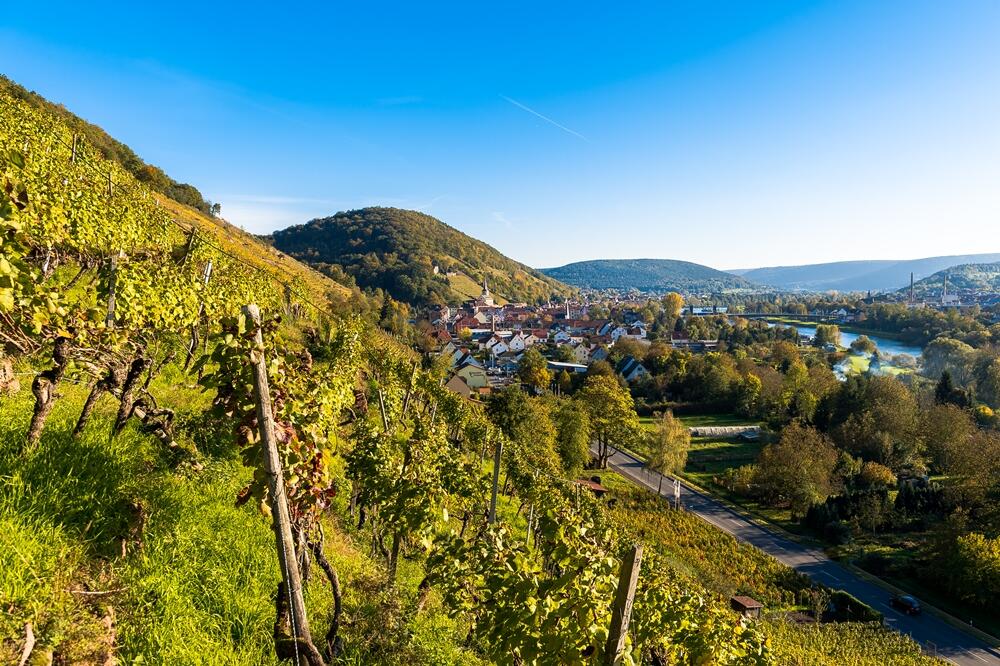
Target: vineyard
<point>202,463</point>
<point>711,556</point>
<point>112,299</point>
<point>708,558</point>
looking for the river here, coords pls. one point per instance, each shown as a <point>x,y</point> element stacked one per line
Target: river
<point>886,346</point>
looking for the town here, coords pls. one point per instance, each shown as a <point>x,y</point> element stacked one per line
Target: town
<point>485,340</point>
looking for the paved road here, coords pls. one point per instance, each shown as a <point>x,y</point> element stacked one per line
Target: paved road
<point>937,636</point>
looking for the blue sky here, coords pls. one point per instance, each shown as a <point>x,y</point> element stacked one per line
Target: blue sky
<point>731,134</point>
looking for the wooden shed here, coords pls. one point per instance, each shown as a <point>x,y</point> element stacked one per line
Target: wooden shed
<point>746,606</point>
<point>594,483</point>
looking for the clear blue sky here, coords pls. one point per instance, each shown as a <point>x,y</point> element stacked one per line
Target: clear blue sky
<point>732,134</point>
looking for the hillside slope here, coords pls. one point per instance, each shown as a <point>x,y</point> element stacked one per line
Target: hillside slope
<point>966,277</point>
<point>41,128</point>
<point>110,148</point>
<point>876,275</point>
<point>397,250</point>
<point>647,275</point>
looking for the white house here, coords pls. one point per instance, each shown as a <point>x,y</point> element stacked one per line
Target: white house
<point>617,332</point>
<point>636,331</point>
<point>582,354</point>
<point>463,358</point>
<point>499,347</point>
<point>531,339</point>
<point>517,342</point>
<point>562,338</point>
<point>631,369</point>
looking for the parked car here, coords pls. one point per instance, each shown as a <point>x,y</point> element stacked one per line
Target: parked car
<point>905,604</point>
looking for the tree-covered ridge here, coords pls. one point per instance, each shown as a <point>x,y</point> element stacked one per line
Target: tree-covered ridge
<point>397,250</point>
<point>111,148</point>
<point>862,275</point>
<point>647,275</point>
<point>967,277</point>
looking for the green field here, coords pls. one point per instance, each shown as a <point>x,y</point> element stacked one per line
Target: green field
<point>469,289</point>
<point>710,457</point>
<point>857,364</point>
<point>702,420</point>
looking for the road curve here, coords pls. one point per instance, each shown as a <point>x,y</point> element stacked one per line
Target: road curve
<point>934,634</point>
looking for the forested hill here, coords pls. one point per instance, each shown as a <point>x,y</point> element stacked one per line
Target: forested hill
<point>110,148</point>
<point>397,250</point>
<point>971,277</point>
<point>647,275</point>
<point>877,275</point>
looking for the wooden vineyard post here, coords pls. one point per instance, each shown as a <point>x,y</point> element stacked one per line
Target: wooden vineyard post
<point>72,158</point>
<point>109,321</point>
<point>496,481</point>
<point>188,245</point>
<point>385,416</point>
<point>276,490</point>
<point>409,389</point>
<point>621,612</point>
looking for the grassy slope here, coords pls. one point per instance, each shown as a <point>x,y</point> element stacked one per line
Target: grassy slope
<point>466,288</point>
<point>195,585</point>
<point>250,248</point>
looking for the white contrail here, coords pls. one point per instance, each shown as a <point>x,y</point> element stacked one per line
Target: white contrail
<point>545,118</point>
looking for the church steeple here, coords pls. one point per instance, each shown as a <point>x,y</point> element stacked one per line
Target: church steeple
<point>485,300</point>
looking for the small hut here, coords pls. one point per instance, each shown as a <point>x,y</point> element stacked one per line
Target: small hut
<point>746,606</point>
<point>594,484</point>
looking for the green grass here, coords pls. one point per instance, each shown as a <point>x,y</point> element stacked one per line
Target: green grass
<point>857,364</point>
<point>706,554</point>
<point>197,580</point>
<point>708,460</point>
<point>702,420</point>
<point>469,289</point>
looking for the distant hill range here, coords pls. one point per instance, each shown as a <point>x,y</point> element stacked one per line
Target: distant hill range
<point>981,278</point>
<point>413,257</point>
<point>647,275</point>
<point>876,275</point>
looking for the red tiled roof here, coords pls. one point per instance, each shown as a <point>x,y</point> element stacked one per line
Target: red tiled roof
<point>747,602</point>
<point>593,485</point>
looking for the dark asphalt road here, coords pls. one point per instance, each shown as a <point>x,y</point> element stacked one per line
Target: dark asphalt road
<point>937,636</point>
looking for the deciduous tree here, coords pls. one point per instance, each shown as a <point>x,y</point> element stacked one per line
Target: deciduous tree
<point>798,470</point>
<point>613,420</point>
<point>533,369</point>
<point>669,446</point>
